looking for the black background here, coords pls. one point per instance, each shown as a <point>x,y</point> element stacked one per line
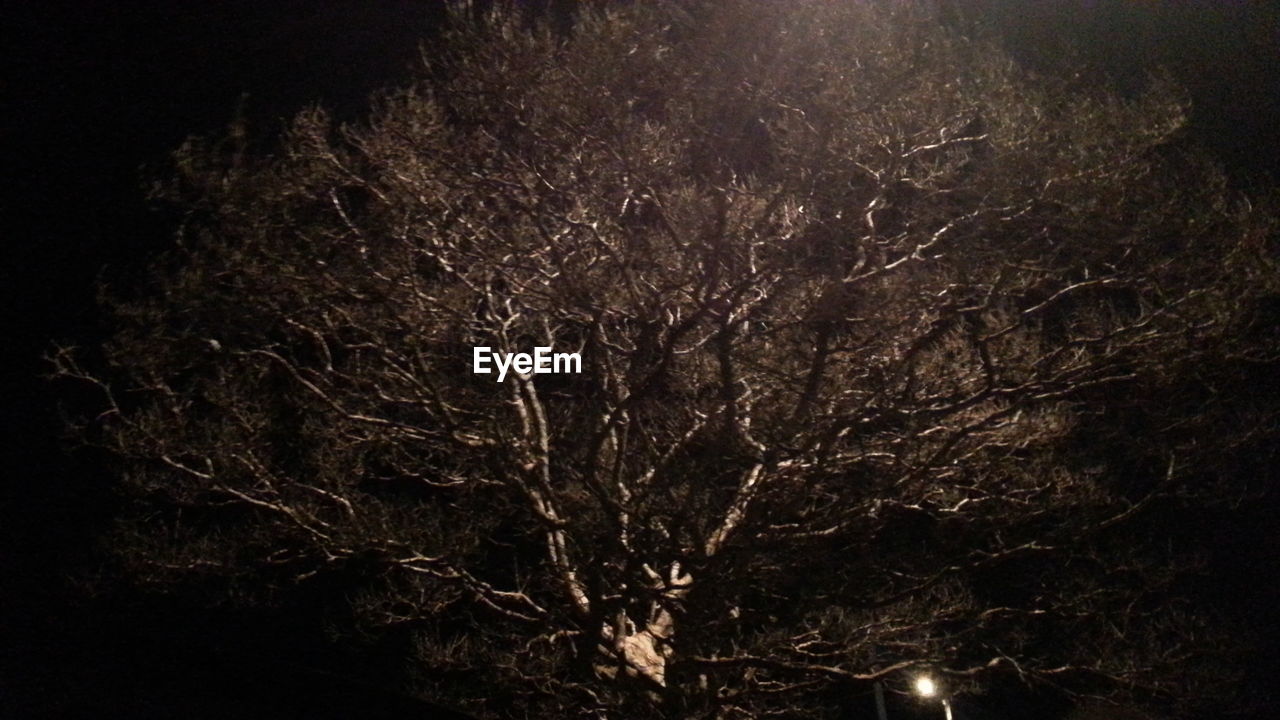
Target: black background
<point>94,92</point>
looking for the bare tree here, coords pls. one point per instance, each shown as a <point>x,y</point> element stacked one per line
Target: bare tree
<point>850,294</point>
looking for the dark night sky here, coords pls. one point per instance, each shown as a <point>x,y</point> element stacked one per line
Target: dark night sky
<point>93,91</point>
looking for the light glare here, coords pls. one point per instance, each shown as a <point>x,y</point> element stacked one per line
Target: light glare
<point>925,686</point>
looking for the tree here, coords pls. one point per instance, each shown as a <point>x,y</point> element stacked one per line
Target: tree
<point>859,305</point>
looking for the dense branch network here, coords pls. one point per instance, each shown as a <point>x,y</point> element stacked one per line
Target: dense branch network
<point>847,293</point>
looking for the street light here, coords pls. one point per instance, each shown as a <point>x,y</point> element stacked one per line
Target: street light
<point>927,687</point>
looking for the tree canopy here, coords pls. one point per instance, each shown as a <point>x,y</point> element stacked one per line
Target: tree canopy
<point>895,358</point>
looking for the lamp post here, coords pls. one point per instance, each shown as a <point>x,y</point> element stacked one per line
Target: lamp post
<point>926,687</point>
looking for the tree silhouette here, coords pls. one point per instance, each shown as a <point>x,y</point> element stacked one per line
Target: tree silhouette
<point>860,306</point>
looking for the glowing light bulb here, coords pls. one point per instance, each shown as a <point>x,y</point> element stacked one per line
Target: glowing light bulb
<point>926,686</point>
